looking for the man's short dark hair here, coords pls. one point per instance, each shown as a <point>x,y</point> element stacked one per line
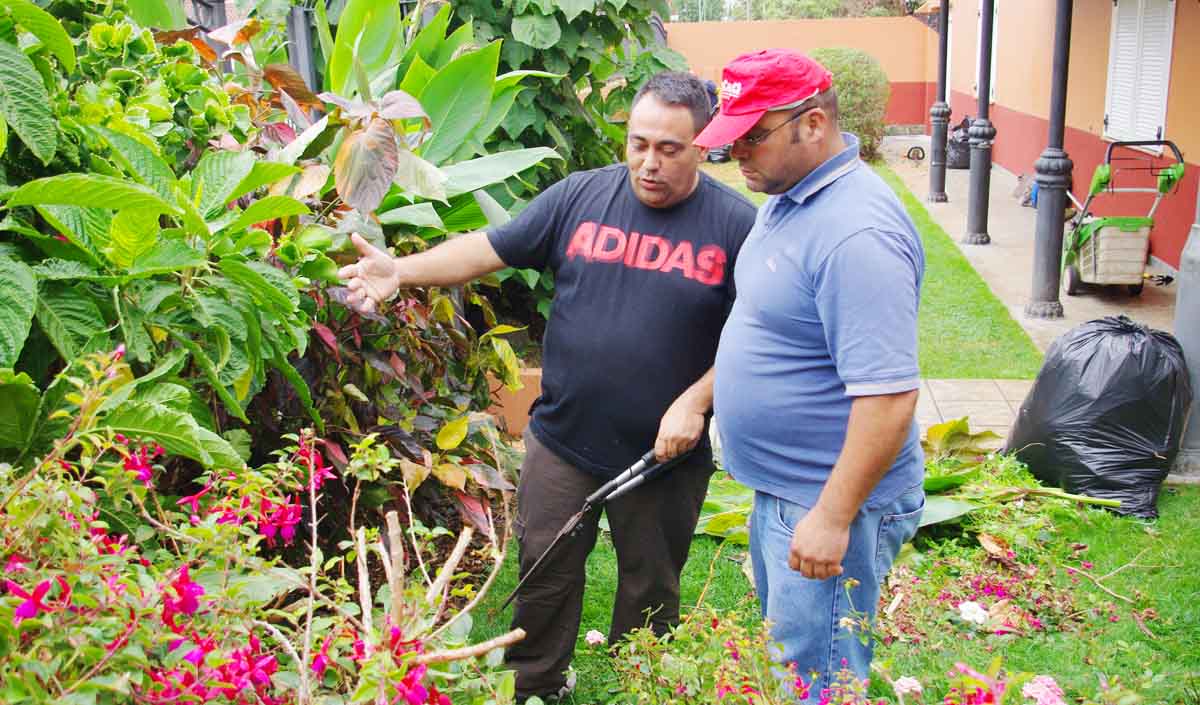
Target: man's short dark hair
<point>679,88</point>
<point>826,100</point>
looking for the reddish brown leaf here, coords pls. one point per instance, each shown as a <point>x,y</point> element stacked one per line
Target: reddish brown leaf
<point>236,33</point>
<point>283,77</point>
<point>397,365</point>
<point>336,454</point>
<point>326,335</point>
<point>191,35</point>
<point>280,132</point>
<point>366,164</point>
<point>489,477</point>
<point>381,366</point>
<point>474,512</point>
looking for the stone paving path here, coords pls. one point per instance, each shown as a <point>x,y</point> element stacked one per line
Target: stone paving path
<point>1006,264</point>
<point>989,404</point>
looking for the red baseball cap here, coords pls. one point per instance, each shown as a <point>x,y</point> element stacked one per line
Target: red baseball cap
<point>757,82</point>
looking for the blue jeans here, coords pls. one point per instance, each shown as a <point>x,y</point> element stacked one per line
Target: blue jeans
<point>805,613</point>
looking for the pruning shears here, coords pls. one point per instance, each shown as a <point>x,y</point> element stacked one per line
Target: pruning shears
<point>644,469</point>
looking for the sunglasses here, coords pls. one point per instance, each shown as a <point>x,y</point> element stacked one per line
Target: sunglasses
<point>759,139</point>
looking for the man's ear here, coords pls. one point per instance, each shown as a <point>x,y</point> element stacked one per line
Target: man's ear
<point>817,122</point>
<point>703,153</point>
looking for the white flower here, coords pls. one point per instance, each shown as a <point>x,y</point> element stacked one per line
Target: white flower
<point>907,685</point>
<point>595,638</point>
<point>972,612</point>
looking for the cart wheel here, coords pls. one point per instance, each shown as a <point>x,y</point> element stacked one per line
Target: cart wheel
<point>1135,289</point>
<point>1071,280</point>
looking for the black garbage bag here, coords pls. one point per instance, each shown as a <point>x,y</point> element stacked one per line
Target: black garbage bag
<point>1105,416</point>
<point>958,146</point>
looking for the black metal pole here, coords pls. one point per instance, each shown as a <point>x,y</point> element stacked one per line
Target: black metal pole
<point>1053,178</point>
<point>300,45</point>
<point>939,114</point>
<point>982,133</point>
<point>210,15</point>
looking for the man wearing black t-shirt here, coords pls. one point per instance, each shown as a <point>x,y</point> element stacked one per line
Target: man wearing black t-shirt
<point>642,255</point>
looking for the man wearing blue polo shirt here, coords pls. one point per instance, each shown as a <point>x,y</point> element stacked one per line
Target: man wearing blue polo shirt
<point>816,372</point>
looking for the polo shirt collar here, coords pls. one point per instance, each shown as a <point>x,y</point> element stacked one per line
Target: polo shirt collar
<point>831,170</point>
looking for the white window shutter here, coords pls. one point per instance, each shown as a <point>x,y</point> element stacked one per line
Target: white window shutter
<point>1158,24</point>
<point>1120,111</point>
<point>1139,69</point>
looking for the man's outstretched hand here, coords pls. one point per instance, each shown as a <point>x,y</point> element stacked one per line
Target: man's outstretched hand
<point>372,279</point>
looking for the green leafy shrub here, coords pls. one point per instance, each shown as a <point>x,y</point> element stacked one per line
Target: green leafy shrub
<point>863,90</point>
<point>116,591</point>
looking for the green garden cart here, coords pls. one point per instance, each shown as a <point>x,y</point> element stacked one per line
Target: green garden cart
<point>1113,250</point>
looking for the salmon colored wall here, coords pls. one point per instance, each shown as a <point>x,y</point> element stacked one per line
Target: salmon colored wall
<point>899,43</point>
<point>1183,94</point>
<point>1025,31</point>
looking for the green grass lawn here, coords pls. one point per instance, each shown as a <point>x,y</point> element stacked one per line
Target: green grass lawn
<point>1165,579</point>
<point>965,331</point>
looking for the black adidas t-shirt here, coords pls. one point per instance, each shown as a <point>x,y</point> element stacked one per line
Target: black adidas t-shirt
<point>640,297</point>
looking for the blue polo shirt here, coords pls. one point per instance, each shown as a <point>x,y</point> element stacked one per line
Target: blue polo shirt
<point>829,283</point>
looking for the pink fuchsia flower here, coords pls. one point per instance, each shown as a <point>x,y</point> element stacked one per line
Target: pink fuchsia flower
<point>723,689</point>
<point>248,668</point>
<point>1044,690</point>
<point>800,688</point>
<point>410,689</point>
<point>180,596</point>
<point>15,563</point>
<point>193,501</point>
<point>399,646</point>
<point>314,462</point>
<point>119,352</point>
<point>33,602</point>
<point>279,520</point>
<point>141,463</point>
<point>907,685</point>
<point>595,638</point>
<point>321,661</point>
<point>1087,565</point>
<point>733,650</point>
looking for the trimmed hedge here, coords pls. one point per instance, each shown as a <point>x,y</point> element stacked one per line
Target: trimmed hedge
<point>863,90</point>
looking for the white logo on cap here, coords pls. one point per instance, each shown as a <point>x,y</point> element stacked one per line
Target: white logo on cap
<point>730,90</point>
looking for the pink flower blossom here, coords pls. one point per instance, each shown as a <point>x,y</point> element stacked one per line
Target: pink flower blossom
<point>279,520</point>
<point>33,603</point>
<point>907,685</point>
<point>193,501</point>
<point>15,564</point>
<point>314,462</point>
<point>181,596</point>
<point>322,659</point>
<point>733,651</point>
<point>595,638</point>
<point>140,462</point>
<point>1044,690</point>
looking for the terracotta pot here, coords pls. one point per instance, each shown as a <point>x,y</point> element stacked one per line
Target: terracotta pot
<point>512,408</point>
